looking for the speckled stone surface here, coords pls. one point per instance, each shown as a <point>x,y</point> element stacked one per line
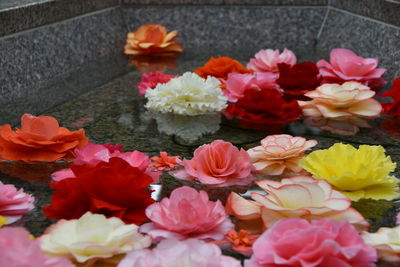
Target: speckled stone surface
<point>226,2</point>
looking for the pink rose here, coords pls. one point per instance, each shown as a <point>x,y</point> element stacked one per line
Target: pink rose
<point>187,214</point>
<point>297,242</point>
<point>14,203</point>
<point>151,80</point>
<point>218,164</point>
<point>268,60</point>
<point>170,252</point>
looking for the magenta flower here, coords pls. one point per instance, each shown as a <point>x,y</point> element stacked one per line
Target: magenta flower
<point>187,214</point>
<point>14,203</point>
<point>151,79</point>
<point>297,242</point>
<point>268,60</point>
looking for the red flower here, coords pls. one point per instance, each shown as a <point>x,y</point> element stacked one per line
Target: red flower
<point>298,79</point>
<point>114,188</point>
<point>394,106</point>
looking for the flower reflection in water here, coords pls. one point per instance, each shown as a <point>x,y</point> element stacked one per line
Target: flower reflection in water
<point>348,126</point>
<point>145,64</point>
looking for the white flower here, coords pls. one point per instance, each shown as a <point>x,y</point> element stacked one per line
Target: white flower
<point>92,236</point>
<point>188,94</point>
<point>387,243</point>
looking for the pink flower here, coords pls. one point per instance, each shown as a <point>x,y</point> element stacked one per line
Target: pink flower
<point>187,214</point>
<point>165,162</point>
<point>151,79</point>
<point>17,249</point>
<point>14,203</point>
<point>398,218</point>
<point>268,60</point>
<point>345,65</point>
<point>280,154</point>
<point>218,164</point>
<point>94,153</point>
<point>297,242</point>
<point>170,252</point>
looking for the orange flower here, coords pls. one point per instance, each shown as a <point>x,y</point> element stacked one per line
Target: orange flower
<point>241,242</point>
<point>150,39</point>
<point>220,67</point>
<point>165,162</point>
<point>39,139</point>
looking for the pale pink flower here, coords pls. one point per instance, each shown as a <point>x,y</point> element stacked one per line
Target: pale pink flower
<point>17,249</point>
<point>345,65</point>
<point>387,243</point>
<point>187,214</point>
<point>398,218</point>
<point>218,164</point>
<point>335,100</point>
<point>297,242</point>
<point>280,154</point>
<point>268,60</point>
<point>151,79</point>
<point>14,203</point>
<point>300,196</point>
<point>171,253</point>
<point>165,162</point>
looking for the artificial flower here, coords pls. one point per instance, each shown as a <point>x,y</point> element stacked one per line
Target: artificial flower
<point>346,100</point>
<point>393,108</point>
<point>187,214</point>
<point>268,60</point>
<point>357,173</point>
<point>300,196</point>
<point>280,154</point>
<point>113,188</point>
<point>345,65</point>
<point>14,203</point>
<point>149,63</point>
<point>39,139</point>
<point>17,249</point>
<point>173,253</point>
<point>220,67</point>
<point>218,164</point>
<point>152,39</point>
<point>92,236</point>
<point>297,242</point>
<point>188,94</point>
<point>150,81</point>
<point>165,162</point>
<point>263,107</point>
<point>3,221</point>
<point>298,79</point>
<point>387,243</point>
<point>240,242</point>
<point>347,125</point>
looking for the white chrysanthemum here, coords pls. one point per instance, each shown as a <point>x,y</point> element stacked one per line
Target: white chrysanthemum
<point>188,94</point>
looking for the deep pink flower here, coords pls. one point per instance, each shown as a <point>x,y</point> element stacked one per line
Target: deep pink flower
<point>218,164</point>
<point>14,203</point>
<point>187,214</point>
<point>268,60</point>
<point>165,162</point>
<point>151,79</point>
<point>297,242</point>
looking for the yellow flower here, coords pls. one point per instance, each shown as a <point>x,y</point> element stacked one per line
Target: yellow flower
<point>3,221</point>
<point>357,173</point>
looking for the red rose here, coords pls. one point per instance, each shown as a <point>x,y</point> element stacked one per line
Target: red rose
<point>114,188</point>
<point>393,107</point>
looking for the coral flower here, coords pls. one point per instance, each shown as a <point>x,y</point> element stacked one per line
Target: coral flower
<point>280,154</point>
<point>150,80</point>
<point>39,139</point>
<point>241,241</point>
<point>171,253</point>
<point>268,60</point>
<point>387,243</point>
<point>393,108</point>
<point>348,99</point>
<point>357,173</point>
<point>165,162</point>
<point>345,65</point>
<point>92,236</point>
<point>220,67</point>
<point>187,214</point>
<point>297,242</point>
<point>14,203</point>
<point>152,39</point>
<point>218,164</point>
<point>300,196</point>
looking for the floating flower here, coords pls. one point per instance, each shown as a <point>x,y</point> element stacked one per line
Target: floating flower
<point>113,188</point>
<point>393,107</point>
<point>14,203</point>
<point>387,243</point>
<point>347,125</point>
<point>165,162</point>
<point>300,196</point>
<point>297,242</point>
<point>151,80</point>
<point>345,65</point>
<point>240,242</point>
<point>357,173</point>
<point>268,60</point>
<point>152,39</point>
<point>188,94</point>
<point>220,67</point>
<point>39,139</point>
<point>3,221</point>
<point>92,236</point>
<point>280,154</point>
<point>170,252</point>
<point>187,214</point>
<point>218,164</point>
<point>17,249</point>
<point>346,100</point>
